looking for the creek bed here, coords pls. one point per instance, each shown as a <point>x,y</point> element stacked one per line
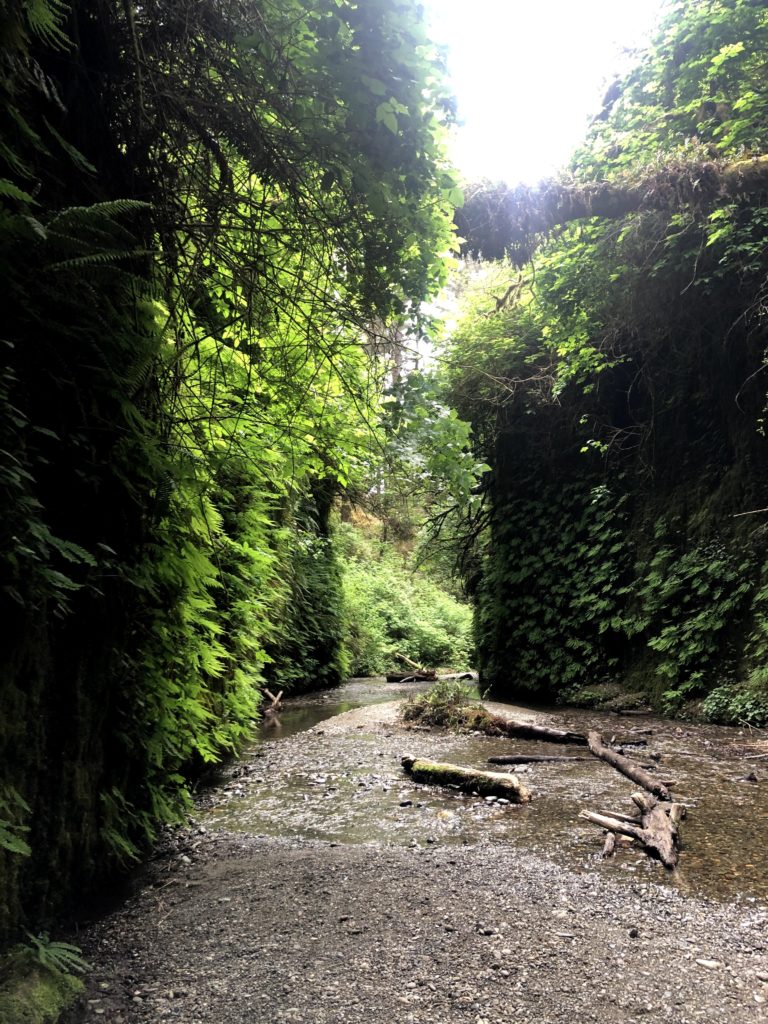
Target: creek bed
<point>330,770</point>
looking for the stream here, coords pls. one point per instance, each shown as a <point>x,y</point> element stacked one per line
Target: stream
<point>314,775</point>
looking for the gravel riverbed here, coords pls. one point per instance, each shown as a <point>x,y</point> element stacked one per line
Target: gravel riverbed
<point>232,928</point>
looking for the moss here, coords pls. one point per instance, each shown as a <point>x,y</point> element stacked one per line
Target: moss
<point>33,994</point>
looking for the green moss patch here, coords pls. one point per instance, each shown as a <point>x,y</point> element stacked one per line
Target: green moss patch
<point>33,994</point>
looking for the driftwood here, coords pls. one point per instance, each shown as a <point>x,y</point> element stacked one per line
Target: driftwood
<point>276,703</point>
<point>428,675</point>
<point>534,758</point>
<point>631,769</point>
<point>500,784</point>
<point>656,827</point>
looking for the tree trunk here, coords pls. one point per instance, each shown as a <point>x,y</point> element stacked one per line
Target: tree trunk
<point>535,758</point>
<point>525,731</point>
<point>500,221</point>
<point>498,784</point>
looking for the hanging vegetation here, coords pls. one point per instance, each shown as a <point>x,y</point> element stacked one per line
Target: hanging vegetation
<point>203,207</point>
<point>616,388</point>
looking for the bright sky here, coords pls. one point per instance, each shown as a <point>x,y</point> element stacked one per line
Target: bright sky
<point>529,75</point>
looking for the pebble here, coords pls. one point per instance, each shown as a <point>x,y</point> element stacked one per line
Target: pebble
<point>711,964</point>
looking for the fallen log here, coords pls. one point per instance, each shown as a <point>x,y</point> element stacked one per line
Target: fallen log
<point>409,661</point>
<point>426,676</point>
<point>526,731</point>
<point>276,703</point>
<point>631,769</point>
<point>656,831</point>
<point>500,784</point>
<point>544,758</point>
<point>502,220</point>
<point>632,712</point>
<point>536,758</point>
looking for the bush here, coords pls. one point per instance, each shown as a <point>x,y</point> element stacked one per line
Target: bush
<point>734,705</point>
<point>447,704</point>
<point>390,609</point>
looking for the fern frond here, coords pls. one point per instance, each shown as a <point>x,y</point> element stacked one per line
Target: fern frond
<point>72,152</point>
<point>91,215</point>
<point>100,259</point>
<point>45,19</point>
<point>11,191</point>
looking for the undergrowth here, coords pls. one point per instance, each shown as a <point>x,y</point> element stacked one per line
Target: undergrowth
<point>450,704</point>
<point>392,608</point>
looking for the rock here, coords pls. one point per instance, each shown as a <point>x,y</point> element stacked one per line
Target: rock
<point>711,964</point>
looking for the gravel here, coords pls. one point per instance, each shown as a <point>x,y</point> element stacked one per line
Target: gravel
<point>228,928</point>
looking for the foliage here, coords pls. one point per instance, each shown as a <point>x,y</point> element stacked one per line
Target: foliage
<point>57,956</point>
<point>392,608</point>
<point>13,808</point>
<point>624,364</point>
<point>735,705</point>
<point>552,601</point>
<point>686,603</point>
<point>192,253</point>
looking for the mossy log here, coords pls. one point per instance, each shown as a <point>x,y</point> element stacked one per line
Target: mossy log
<point>435,773</point>
<point>500,220</point>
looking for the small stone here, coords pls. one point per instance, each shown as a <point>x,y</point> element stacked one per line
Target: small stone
<point>633,933</point>
<point>406,803</point>
<point>711,964</point>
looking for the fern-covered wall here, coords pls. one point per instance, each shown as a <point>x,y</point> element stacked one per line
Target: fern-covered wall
<point>188,272</point>
<point>618,393</point>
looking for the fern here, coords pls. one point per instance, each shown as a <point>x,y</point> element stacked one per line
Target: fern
<point>57,956</point>
<point>46,19</point>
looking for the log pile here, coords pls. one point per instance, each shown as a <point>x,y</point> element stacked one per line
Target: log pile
<point>655,827</point>
<point>655,819</point>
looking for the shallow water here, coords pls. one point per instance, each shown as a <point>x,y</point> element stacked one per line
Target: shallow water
<point>348,787</point>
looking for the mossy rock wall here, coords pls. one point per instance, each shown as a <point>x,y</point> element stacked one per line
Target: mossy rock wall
<point>631,566</point>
